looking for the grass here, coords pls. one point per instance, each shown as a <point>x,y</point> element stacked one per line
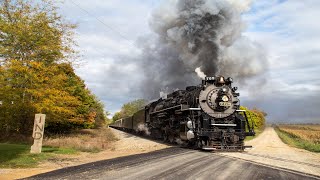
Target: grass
<point>19,156</point>
<point>14,154</point>
<point>258,131</point>
<point>300,136</point>
<point>87,140</point>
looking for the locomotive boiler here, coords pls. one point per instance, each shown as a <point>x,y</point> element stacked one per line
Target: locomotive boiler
<point>206,116</point>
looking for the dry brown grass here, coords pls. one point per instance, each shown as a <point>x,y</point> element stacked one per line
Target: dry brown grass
<point>310,133</point>
<point>89,140</point>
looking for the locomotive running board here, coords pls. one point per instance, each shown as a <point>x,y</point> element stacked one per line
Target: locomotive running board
<point>209,148</point>
<point>194,109</point>
<point>233,125</point>
<point>184,107</point>
<point>187,108</point>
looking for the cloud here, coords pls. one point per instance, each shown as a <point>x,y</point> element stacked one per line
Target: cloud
<point>290,34</point>
<point>104,46</point>
<point>287,30</point>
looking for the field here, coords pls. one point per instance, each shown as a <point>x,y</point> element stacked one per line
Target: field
<point>300,136</point>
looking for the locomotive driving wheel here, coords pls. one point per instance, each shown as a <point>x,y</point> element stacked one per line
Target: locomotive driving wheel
<point>171,138</point>
<point>164,136</point>
<point>199,144</point>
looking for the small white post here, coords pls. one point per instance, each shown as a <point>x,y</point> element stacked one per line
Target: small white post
<point>38,132</point>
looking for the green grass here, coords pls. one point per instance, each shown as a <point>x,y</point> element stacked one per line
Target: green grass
<point>295,141</point>
<point>19,156</point>
<point>257,131</point>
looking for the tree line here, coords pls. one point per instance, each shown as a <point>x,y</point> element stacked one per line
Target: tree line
<point>128,109</point>
<point>36,71</point>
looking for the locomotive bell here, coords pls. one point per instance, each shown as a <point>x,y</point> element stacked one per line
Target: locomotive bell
<point>221,80</point>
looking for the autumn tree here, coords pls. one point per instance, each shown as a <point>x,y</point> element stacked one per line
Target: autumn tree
<point>255,117</point>
<point>36,73</point>
<point>90,108</point>
<point>34,32</point>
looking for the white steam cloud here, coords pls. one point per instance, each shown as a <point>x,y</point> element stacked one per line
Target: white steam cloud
<point>143,128</point>
<point>200,73</point>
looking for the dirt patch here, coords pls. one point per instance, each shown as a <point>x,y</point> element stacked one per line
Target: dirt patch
<point>127,144</point>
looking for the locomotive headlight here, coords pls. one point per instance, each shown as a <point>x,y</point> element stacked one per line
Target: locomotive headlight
<point>224,89</point>
<point>225,98</point>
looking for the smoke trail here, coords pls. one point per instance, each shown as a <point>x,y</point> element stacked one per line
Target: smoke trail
<point>202,36</point>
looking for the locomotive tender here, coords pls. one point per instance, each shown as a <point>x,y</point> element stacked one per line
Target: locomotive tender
<point>205,116</point>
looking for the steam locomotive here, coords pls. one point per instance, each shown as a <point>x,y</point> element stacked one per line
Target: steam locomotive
<point>205,116</point>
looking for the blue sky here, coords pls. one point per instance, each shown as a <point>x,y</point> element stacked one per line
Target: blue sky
<point>287,30</point>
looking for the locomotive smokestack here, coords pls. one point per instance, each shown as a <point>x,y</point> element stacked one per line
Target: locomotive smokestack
<point>202,36</point>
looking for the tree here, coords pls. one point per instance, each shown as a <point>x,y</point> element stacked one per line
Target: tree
<point>34,32</point>
<point>255,116</point>
<point>116,116</point>
<point>36,88</point>
<point>129,109</point>
<point>36,73</point>
<point>90,108</point>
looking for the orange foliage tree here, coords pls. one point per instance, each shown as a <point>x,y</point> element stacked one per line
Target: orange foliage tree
<point>36,73</point>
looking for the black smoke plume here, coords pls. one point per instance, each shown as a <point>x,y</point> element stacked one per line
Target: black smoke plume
<point>194,39</point>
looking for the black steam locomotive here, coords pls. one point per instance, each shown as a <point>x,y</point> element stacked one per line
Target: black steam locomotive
<point>205,116</point>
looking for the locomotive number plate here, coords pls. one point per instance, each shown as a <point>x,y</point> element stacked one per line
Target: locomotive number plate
<point>225,104</point>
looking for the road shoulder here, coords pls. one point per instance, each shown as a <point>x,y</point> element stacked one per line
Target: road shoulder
<point>269,150</point>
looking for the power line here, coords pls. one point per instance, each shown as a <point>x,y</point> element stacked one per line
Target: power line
<point>109,27</point>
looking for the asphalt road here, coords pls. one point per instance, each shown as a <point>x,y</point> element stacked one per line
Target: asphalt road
<point>173,163</point>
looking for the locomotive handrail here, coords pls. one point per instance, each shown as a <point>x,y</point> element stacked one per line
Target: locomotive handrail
<point>250,129</point>
<point>194,109</point>
<point>165,109</point>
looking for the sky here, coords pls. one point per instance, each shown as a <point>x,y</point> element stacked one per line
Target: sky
<point>288,31</point>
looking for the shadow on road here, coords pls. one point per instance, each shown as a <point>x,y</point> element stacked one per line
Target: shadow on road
<point>110,164</point>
